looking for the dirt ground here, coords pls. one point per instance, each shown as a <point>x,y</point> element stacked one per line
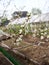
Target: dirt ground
<point>3,60</point>
<point>35,49</point>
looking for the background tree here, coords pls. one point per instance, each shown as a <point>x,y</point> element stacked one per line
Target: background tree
<point>4,21</point>
<point>36,11</point>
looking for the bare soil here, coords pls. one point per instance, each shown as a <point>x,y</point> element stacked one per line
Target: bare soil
<point>35,49</point>
<point>3,60</point>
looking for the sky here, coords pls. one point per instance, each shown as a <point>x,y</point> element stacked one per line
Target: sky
<point>26,5</point>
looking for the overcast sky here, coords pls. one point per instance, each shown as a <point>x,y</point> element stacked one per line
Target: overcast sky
<point>24,5</point>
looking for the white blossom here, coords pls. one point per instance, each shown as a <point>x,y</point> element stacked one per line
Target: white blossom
<point>45,29</point>
<point>45,33</point>
<point>22,25</point>
<point>20,31</point>
<point>47,36</point>
<point>19,39</point>
<point>42,33</point>
<point>26,31</point>
<point>18,43</point>
<point>34,35</point>
<point>31,25</point>
<point>21,36</point>
<point>37,34</point>
<point>42,37</point>
<point>14,43</point>
<point>41,30</point>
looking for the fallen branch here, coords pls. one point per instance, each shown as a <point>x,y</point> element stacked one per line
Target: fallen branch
<point>20,54</point>
<point>22,47</point>
<point>25,57</point>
